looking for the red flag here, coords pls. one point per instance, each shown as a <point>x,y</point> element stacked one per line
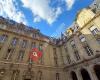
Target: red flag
<point>35,54</point>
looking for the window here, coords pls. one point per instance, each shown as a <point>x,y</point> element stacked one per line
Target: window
<point>68,58</point>
<point>9,54</point>
<point>73,44</point>
<point>77,55</point>
<point>57,76</point>
<point>3,38</point>
<point>21,55</point>
<point>34,35</point>
<point>41,60</point>
<point>33,44</point>
<point>55,61</point>
<point>54,52</point>
<point>15,75</point>
<point>40,46</point>
<point>14,41</point>
<point>3,26</point>
<point>98,40</point>
<point>82,38</point>
<point>24,44</point>
<point>66,48</point>
<point>55,56</point>
<point>94,30</point>
<point>89,51</point>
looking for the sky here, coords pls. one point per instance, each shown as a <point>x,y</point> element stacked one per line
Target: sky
<point>51,17</point>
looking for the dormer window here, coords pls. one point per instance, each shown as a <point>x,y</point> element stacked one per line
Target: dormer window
<point>34,35</point>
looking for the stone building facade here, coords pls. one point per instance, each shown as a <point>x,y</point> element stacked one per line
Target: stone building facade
<point>83,47</point>
<point>16,41</point>
<point>75,56</point>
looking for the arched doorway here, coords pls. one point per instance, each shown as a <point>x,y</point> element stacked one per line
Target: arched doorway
<point>73,74</point>
<point>85,74</point>
<point>97,71</point>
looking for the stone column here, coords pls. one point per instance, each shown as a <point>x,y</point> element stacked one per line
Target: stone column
<point>79,75</point>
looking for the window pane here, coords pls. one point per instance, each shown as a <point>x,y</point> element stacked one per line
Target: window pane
<point>77,55</point>
<point>73,44</point>
<point>24,44</point>
<point>68,58</point>
<point>82,38</point>
<point>9,53</point>
<point>33,45</point>
<point>14,41</point>
<point>98,40</point>
<point>21,55</point>
<point>3,38</point>
<point>40,46</point>
<point>94,30</point>
<point>89,51</point>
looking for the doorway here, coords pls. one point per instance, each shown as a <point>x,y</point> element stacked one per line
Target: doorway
<point>85,74</point>
<point>74,77</point>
